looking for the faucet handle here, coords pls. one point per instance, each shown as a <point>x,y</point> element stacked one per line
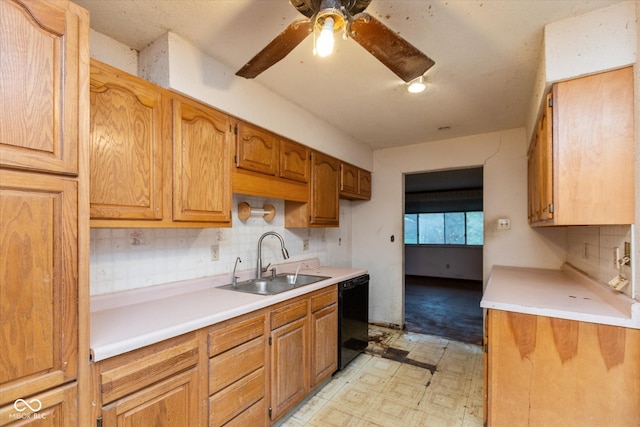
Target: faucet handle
<point>264,269</point>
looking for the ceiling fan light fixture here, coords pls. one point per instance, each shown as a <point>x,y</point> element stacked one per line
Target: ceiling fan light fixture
<point>324,42</point>
<point>417,85</point>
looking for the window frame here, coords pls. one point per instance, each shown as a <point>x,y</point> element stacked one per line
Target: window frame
<point>444,232</point>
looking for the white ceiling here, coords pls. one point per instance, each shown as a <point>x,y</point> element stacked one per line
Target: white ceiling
<point>486,54</point>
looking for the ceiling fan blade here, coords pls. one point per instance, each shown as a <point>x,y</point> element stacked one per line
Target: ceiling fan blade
<point>388,47</point>
<point>277,49</point>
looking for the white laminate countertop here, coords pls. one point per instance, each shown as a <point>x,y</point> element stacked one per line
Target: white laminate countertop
<point>566,294</point>
<point>130,320</point>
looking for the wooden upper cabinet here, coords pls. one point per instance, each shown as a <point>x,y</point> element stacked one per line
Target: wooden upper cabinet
<point>202,155</point>
<point>349,182</point>
<point>126,145</point>
<point>257,149</point>
<point>38,283</point>
<point>323,207</point>
<point>364,189</point>
<point>294,161</point>
<point>592,162</point>
<point>540,167</point>
<point>40,90</point>
<point>325,175</point>
<point>355,183</point>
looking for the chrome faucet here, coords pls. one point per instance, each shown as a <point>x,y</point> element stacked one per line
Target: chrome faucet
<point>285,252</point>
<point>234,278</point>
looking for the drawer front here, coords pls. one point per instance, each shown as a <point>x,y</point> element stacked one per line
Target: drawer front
<point>235,334</point>
<point>255,416</point>
<point>234,364</point>
<point>288,313</point>
<point>324,298</point>
<point>130,376</point>
<point>234,399</point>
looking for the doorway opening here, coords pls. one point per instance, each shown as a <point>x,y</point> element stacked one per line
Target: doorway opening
<point>443,243</point>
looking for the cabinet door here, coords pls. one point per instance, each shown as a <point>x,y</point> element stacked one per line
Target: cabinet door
<point>202,163</point>
<point>325,175</point>
<point>38,286</point>
<point>289,366</point>
<point>40,73</point>
<point>126,145</point>
<point>324,343</point>
<point>169,403</point>
<point>545,371</point>
<point>364,189</point>
<point>348,179</point>
<point>294,161</point>
<point>257,149</point>
<point>52,408</point>
<point>593,145</point>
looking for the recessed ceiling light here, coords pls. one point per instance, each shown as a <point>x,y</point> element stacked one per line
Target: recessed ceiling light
<point>417,85</point>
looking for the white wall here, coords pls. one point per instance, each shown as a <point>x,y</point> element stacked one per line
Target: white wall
<point>503,156</point>
<point>454,262</point>
<point>180,66</point>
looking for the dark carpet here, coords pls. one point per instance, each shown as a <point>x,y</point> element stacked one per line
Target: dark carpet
<point>449,308</point>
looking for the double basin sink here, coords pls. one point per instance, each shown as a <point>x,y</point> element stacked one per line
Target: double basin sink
<point>274,285</point>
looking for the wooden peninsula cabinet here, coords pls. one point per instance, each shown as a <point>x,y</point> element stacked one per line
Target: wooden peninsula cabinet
<point>545,371</point>
<point>43,211</point>
<point>581,163</point>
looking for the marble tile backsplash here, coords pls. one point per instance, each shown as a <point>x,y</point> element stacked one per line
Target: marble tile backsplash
<point>591,249</point>
<point>123,259</point>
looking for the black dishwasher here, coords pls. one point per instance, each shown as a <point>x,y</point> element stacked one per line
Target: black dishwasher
<point>353,318</point>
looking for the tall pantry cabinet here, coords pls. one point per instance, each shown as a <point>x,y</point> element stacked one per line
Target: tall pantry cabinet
<point>44,221</point>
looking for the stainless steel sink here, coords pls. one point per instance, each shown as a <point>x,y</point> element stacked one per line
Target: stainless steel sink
<point>274,285</point>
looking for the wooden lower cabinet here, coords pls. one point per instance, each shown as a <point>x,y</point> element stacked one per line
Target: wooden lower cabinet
<point>237,373</point>
<point>246,371</point>
<point>158,385</point>
<point>304,347</point>
<point>56,407</point>
<point>545,371</point>
<point>289,366</point>
<point>169,403</point>
<point>324,332</point>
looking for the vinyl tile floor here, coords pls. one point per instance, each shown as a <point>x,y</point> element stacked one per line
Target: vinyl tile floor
<point>403,379</point>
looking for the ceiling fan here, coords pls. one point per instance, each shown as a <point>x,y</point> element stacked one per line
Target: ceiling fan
<point>331,16</point>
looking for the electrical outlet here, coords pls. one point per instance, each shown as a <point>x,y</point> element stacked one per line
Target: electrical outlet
<point>504,224</point>
<point>215,252</point>
<point>305,245</point>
